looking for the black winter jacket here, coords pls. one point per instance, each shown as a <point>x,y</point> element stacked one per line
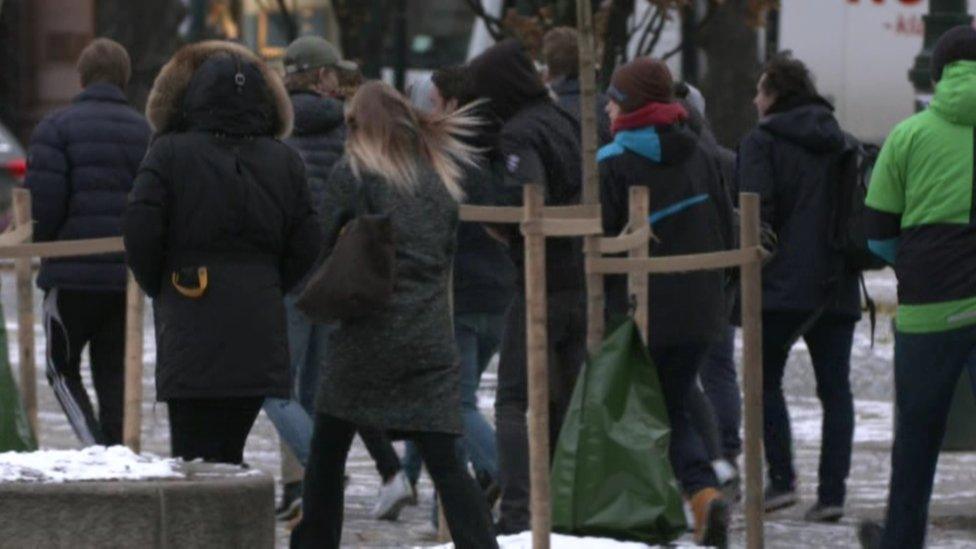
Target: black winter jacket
<point>690,213</point>
<point>217,191</point>
<point>81,164</point>
<point>541,144</point>
<point>319,137</point>
<point>568,90</point>
<point>789,159</point>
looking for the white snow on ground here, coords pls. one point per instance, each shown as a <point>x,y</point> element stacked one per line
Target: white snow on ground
<point>92,463</point>
<point>874,420</point>
<point>559,541</point>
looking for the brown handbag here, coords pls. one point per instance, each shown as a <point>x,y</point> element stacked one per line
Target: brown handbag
<point>356,280</point>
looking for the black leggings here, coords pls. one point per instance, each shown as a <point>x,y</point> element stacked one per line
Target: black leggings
<point>212,429</point>
<point>322,503</point>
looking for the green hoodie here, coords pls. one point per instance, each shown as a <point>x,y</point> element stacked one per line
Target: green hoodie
<point>922,203</point>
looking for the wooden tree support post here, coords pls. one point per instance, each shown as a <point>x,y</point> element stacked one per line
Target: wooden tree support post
<point>752,370</point>
<point>132,418</point>
<point>537,355</point>
<point>25,313</point>
<point>637,281</point>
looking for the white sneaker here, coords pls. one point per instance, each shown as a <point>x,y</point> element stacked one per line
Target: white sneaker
<point>393,497</point>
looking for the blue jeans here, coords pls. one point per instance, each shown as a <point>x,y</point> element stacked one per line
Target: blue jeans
<point>721,385</point>
<point>477,336</point>
<point>927,370</point>
<point>829,341</point>
<point>292,417</point>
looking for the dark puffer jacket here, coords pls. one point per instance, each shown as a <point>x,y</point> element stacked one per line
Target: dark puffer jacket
<point>789,159</point>
<point>690,213</point>
<point>568,90</point>
<point>81,164</point>
<point>319,137</point>
<point>218,191</point>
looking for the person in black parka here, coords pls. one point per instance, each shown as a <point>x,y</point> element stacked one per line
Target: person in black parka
<point>82,161</point>
<point>690,213</point>
<point>791,161</point>
<point>220,225</point>
<point>539,143</point>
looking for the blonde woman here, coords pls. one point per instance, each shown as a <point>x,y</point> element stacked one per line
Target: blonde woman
<point>397,370</point>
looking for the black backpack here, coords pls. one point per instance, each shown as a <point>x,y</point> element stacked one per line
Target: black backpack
<point>847,213</point>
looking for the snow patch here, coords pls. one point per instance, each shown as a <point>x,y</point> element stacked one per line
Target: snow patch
<point>92,463</point>
<point>559,541</point>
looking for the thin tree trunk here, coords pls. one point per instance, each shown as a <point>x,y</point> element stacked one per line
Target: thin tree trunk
<point>731,48</point>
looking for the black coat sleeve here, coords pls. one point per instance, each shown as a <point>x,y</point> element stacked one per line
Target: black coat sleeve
<point>146,220</point>
<point>754,173</point>
<point>303,235</point>
<point>47,179</point>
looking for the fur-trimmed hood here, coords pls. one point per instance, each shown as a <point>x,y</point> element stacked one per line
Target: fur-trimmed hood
<point>219,86</point>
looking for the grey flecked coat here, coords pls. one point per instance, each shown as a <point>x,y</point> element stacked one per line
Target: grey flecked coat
<point>398,370</point>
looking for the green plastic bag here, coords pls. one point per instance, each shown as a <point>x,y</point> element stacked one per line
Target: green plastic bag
<point>611,476</point>
<point>15,431</point>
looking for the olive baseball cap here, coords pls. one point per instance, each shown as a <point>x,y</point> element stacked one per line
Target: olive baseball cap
<point>314,52</point>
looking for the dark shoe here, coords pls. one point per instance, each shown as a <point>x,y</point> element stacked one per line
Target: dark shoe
<point>711,513</point>
<point>777,499</point>
<point>869,534</point>
<point>824,513</point>
<point>291,501</point>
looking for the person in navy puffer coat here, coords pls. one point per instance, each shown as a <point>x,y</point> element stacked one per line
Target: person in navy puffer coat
<point>81,164</point>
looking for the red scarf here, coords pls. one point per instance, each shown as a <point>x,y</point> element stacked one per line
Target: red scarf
<point>652,114</point>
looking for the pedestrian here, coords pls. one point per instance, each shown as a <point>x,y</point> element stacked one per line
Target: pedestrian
<point>220,226</point>
<point>921,219</point>
<point>312,68</point>
<point>560,53</point>
<point>396,370</point>
<point>690,214</point>
<point>81,164</point>
<point>790,159</point>
<point>539,142</point>
<point>484,280</point>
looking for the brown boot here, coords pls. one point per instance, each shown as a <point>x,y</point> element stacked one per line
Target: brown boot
<point>711,518</point>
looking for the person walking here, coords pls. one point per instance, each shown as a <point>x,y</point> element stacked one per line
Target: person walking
<point>690,213</point>
<point>396,370</point>
<point>220,226</point>
<point>312,68</point>
<point>921,219</point>
<point>790,159</point>
<point>484,279</point>
<point>539,143</point>
<point>81,164</point>
<point>560,53</point>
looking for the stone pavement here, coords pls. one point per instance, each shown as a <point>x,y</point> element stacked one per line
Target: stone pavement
<point>954,501</point>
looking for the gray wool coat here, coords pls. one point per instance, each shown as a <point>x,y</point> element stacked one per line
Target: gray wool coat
<point>398,370</point>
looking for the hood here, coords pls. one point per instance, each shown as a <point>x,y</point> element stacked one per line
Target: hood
<point>662,145</point>
<point>199,89</point>
<point>810,124</point>
<point>315,114</point>
<point>955,94</point>
<point>505,75</point>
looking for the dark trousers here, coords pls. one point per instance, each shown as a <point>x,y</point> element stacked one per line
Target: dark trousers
<point>718,379</point>
<point>829,341</point>
<point>927,370</point>
<point>211,429</point>
<point>381,450</point>
<point>322,505</point>
<point>677,369</point>
<point>73,320</point>
<point>567,351</point>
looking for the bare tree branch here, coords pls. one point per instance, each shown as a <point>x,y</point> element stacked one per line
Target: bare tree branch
<point>653,28</point>
<point>492,23</point>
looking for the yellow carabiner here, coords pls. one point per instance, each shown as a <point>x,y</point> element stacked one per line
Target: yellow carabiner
<point>192,293</point>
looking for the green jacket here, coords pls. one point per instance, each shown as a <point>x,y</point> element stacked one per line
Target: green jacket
<point>922,207</point>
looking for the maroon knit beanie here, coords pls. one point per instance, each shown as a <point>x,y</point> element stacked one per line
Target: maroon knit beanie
<point>640,82</point>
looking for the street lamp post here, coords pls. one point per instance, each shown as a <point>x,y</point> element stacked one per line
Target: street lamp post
<point>942,16</point>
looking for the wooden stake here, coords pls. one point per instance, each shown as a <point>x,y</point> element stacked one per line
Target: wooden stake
<point>537,356</point>
<point>637,282</point>
<point>25,313</point>
<point>587,79</point>
<point>132,418</point>
<point>752,358</point>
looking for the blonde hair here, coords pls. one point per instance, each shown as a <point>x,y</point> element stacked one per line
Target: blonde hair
<point>390,138</point>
